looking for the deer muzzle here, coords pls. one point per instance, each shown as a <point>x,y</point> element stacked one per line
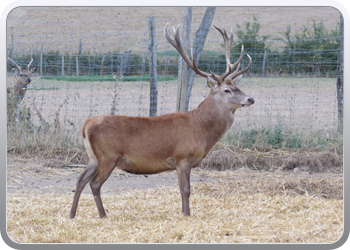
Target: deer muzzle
<point>249,102</point>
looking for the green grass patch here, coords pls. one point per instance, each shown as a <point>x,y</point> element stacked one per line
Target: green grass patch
<point>280,138</point>
<point>107,78</point>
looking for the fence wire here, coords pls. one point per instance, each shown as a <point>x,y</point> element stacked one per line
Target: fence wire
<point>75,77</point>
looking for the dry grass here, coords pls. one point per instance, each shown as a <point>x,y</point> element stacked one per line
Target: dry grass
<point>222,157</point>
<point>244,210</point>
<point>104,29</point>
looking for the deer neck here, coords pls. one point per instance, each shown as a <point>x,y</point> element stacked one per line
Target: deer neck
<point>212,119</point>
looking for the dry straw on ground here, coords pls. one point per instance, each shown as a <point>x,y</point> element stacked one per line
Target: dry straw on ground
<point>235,210</point>
<point>223,157</point>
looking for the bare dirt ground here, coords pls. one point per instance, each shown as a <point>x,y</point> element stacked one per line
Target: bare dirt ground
<point>32,175</point>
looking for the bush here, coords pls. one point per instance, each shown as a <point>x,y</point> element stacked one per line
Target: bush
<point>313,51</point>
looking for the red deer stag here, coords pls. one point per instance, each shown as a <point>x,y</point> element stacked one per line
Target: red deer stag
<point>178,141</point>
<point>21,81</point>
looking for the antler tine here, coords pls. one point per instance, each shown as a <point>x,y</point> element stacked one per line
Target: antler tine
<point>237,73</point>
<point>228,44</point>
<point>228,41</point>
<point>239,64</point>
<point>14,63</point>
<point>171,41</point>
<point>239,59</point>
<point>30,63</point>
<point>176,43</point>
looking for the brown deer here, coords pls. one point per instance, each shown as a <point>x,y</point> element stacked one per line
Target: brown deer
<point>21,81</point>
<point>178,141</point>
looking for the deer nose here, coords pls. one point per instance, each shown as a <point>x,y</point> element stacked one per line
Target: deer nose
<point>251,100</point>
<point>29,80</point>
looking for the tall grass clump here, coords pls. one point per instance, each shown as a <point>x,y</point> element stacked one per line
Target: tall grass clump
<point>44,138</point>
<point>279,137</point>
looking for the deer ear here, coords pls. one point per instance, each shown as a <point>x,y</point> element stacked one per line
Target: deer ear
<point>32,70</point>
<point>15,69</point>
<point>212,83</point>
<point>236,80</point>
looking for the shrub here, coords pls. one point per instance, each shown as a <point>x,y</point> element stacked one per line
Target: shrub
<point>314,50</point>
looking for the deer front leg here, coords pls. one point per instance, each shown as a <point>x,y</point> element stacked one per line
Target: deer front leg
<point>183,173</point>
<point>86,176</point>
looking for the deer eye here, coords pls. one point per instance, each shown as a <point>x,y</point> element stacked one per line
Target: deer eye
<point>227,91</point>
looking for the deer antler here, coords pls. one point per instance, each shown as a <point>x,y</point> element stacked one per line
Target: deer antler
<point>229,66</point>
<point>14,63</point>
<point>228,44</point>
<point>176,43</point>
<point>237,73</point>
<point>30,63</point>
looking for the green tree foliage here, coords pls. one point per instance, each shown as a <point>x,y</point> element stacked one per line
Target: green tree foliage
<point>254,44</point>
<point>249,36</point>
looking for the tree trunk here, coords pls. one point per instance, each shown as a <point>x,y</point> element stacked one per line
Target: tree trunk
<point>198,44</point>
<point>183,67</point>
<point>340,83</point>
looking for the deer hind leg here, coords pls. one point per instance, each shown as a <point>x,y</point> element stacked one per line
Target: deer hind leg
<point>96,183</point>
<point>183,173</point>
<point>86,176</point>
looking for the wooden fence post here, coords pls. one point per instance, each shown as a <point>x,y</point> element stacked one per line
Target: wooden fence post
<point>41,59</point>
<point>263,64</point>
<point>102,64</point>
<point>125,62</point>
<point>77,65</point>
<point>62,69</point>
<point>112,62</point>
<point>152,47</point>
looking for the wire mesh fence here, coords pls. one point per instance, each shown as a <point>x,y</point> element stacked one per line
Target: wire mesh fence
<point>294,88</point>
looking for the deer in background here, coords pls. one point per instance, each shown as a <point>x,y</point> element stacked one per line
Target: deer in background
<point>16,93</point>
<point>21,81</point>
<point>178,141</point>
